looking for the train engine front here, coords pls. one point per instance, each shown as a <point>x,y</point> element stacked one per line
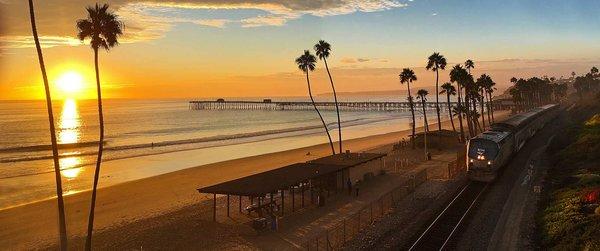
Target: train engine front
<point>482,164</point>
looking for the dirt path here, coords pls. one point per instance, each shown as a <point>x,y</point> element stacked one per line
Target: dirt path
<point>510,225</point>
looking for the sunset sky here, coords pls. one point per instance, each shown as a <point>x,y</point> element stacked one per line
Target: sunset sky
<point>212,48</point>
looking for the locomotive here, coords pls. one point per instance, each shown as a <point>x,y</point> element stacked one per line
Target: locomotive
<point>492,149</point>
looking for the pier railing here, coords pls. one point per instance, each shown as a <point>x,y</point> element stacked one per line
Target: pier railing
<point>300,105</point>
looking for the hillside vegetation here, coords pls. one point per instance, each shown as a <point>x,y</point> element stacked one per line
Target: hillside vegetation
<point>569,215</point>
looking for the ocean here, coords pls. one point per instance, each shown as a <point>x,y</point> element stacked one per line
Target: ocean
<point>157,136</point>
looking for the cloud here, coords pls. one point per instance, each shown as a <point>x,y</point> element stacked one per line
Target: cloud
<point>434,14</point>
<point>45,41</point>
<point>362,60</point>
<point>151,19</point>
<point>264,21</point>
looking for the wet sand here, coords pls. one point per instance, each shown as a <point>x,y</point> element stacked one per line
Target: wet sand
<point>35,225</point>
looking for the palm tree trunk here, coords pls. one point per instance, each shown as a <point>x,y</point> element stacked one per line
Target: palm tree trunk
<point>337,108</point>
<point>488,108</point>
<point>450,113</point>
<point>426,129</point>
<point>55,155</point>
<point>460,119</point>
<point>62,227</point>
<point>412,111</point>
<point>437,101</point>
<point>492,108</point>
<point>88,241</point>
<point>319,113</point>
<point>468,114</point>
<point>482,110</point>
<point>476,125</point>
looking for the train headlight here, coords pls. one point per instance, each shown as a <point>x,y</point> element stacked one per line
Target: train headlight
<point>471,160</point>
<point>489,162</point>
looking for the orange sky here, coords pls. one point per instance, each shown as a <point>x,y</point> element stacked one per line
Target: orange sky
<point>207,48</point>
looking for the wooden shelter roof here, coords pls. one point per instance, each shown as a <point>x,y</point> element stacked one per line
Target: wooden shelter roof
<point>281,178</point>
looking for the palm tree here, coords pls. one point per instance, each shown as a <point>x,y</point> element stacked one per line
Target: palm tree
<point>457,75</point>
<point>489,89</point>
<point>407,76</point>
<point>62,227</point>
<point>468,84</point>
<point>449,90</point>
<point>306,62</point>
<point>323,50</point>
<point>422,95</point>
<point>480,84</point>
<point>594,71</point>
<point>472,96</point>
<point>469,64</point>
<point>436,62</point>
<point>103,29</point>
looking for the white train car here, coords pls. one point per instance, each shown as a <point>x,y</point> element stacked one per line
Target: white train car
<point>493,149</point>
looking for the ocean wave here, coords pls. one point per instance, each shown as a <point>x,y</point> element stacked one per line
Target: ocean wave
<point>36,148</point>
<point>153,145</point>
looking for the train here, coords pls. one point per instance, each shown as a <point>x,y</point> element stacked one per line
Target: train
<point>491,150</point>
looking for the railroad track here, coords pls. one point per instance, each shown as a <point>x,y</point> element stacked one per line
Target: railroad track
<point>439,234</point>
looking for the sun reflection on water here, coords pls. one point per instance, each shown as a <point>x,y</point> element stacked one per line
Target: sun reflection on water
<point>69,133</point>
<point>69,123</point>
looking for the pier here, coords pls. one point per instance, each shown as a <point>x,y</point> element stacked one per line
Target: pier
<point>267,104</point>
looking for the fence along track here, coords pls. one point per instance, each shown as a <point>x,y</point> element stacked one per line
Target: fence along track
<point>334,238</point>
<point>440,232</point>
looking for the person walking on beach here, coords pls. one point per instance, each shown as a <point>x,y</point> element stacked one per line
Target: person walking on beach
<point>349,185</point>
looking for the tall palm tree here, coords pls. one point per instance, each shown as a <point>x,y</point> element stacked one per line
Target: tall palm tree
<point>62,227</point>
<point>406,77</point>
<point>480,86</point>
<point>306,63</point>
<point>468,84</point>
<point>422,95</point>
<point>323,50</point>
<point>457,75</point>
<point>103,28</point>
<point>449,90</point>
<point>436,62</point>
<point>489,89</point>
<point>469,64</point>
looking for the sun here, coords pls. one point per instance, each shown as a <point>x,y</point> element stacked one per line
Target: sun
<point>70,82</point>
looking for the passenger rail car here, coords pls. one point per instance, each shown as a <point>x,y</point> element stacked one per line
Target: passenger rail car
<point>492,149</point>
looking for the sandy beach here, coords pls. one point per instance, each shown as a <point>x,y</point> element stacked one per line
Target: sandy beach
<point>35,225</point>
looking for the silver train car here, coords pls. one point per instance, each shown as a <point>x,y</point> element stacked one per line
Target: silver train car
<point>489,151</point>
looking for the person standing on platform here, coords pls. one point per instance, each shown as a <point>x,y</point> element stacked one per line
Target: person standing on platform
<point>349,185</point>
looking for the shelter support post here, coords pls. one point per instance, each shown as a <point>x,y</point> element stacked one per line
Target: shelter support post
<point>228,205</point>
<point>214,207</point>
<point>282,202</point>
<point>293,199</point>
<point>302,195</point>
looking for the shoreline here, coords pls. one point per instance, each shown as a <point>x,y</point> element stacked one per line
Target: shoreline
<point>25,227</point>
<point>117,170</point>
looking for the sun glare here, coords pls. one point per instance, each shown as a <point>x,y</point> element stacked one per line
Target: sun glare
<point>70,82</point>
